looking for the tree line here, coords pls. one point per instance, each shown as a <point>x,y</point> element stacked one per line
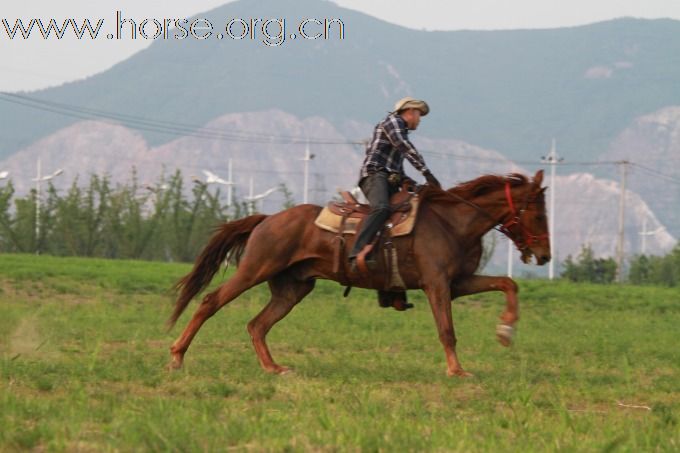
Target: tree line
<point>165,221</point>
<point>642,269</point>
<point>169,221</point>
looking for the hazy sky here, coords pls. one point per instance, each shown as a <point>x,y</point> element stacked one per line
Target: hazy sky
<point>32,64</point>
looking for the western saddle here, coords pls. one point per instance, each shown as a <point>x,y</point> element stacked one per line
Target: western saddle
<point>345,217</point>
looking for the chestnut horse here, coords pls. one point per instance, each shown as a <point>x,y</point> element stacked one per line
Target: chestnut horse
<point>440,256</point>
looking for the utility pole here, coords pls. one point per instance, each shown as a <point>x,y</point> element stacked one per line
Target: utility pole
<point>644,235</point>
<point>510,244</point>
<point>622,210</point>
<point>552,159</point>
<point>37,209</point>
<point>38,179</point>
<point>307,158</point>
<point>251,196</point>
<point>230,186</point>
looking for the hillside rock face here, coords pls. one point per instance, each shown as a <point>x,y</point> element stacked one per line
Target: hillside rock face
<point>653,141</point>
<point>92,147</point>
<point>81,149</point>
<point>586,213</point>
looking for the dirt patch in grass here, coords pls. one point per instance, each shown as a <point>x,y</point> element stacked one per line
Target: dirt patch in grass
<point>26,339</point>
<point>39,292</point>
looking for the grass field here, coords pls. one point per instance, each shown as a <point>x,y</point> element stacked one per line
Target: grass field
<point>83,350</point>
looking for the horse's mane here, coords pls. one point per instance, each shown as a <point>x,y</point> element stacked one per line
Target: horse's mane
<point>487,184</point>
<point>475,188</point>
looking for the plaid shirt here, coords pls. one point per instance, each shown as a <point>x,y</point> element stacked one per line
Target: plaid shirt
<point>389,146</point>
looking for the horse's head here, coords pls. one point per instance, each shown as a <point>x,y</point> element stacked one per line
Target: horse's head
<point>517,201</point>
<point>530,231</point>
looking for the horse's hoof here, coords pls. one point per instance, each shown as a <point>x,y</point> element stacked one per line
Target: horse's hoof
<point>461,373</point>
<point>175,364</point>
<point>278,369</point>
<point>504,334</point>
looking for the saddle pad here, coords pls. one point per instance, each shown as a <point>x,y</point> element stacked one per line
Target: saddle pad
<point>328,221</point>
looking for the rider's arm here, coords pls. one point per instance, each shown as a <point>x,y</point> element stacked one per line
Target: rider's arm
<point>397,134</point>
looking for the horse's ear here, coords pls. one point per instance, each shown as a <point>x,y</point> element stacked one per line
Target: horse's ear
<point>538,178</point>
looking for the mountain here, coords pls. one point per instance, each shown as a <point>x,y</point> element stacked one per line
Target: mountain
<point>591,217</point>
<point>587,207</point>
<point>510,91</point>
<point>95,147</point>
<point>653,141</point>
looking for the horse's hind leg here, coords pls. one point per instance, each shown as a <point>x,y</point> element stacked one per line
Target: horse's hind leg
<point>211,303</point>
<point>286,293</point>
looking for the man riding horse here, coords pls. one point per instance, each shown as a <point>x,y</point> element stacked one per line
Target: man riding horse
<point>382,172</point>
<point>290,251</point>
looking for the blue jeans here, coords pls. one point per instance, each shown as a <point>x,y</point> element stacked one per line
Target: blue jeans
<point>378,192</point>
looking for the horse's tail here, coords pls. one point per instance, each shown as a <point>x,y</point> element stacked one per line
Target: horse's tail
<point>228,242</point>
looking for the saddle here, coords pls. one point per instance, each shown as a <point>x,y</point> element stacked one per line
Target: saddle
<point>343,217</point>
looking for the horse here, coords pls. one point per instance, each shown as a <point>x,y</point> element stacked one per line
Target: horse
<point>290,253</point>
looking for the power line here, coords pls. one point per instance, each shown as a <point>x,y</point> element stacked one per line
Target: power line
<point>157,123</point>
<point>167,127</point>
<point>517,162</point>
<point>656,173</point>
<point>202,132</point>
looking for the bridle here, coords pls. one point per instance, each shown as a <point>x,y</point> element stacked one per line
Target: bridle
<point>523,238</point>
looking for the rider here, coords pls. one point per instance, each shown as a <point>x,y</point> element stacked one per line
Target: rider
<point>382,171</point>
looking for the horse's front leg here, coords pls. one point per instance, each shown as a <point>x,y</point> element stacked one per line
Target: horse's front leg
<point>439,296</point>
<point>480,283</point>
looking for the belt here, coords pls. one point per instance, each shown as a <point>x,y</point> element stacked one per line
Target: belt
<point>394,179</point>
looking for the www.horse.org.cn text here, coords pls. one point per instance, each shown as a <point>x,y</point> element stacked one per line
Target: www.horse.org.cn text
<point>271,32</point>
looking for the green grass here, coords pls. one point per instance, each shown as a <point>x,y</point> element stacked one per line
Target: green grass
<point>83,350</point>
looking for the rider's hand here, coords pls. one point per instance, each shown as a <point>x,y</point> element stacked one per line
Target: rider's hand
<point>431,180</point>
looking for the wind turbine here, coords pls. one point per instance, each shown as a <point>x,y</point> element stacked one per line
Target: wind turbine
<point>308,157</point>
<point>644,233</point>
<point>254,198</point>
<point>212,178</point>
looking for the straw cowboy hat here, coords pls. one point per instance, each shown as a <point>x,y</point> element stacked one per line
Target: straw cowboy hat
<point>411,103</point>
